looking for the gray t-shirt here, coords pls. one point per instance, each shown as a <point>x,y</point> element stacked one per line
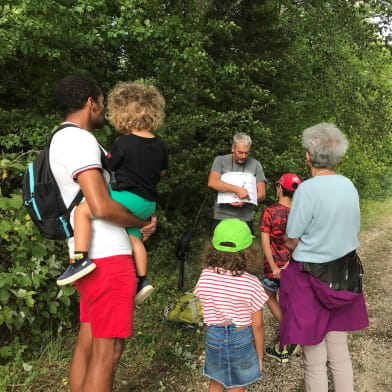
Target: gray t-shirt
<point>225,164</point>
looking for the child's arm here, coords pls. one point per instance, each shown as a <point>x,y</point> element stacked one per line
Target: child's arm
<point>258,334</point>
<point>265,243</point>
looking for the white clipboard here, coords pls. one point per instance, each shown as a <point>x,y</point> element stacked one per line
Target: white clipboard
<point>245,180</point>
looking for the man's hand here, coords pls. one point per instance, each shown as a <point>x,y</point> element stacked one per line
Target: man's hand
<point>242,193</point>
<point>150,228</point>
<point>238,204</point>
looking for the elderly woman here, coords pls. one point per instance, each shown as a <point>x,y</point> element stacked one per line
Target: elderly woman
<point>321,290</point>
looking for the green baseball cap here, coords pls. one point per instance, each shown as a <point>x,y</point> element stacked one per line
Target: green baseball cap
<point>232,235</point>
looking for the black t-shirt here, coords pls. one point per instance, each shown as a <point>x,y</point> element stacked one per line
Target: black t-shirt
<point>137,163</point>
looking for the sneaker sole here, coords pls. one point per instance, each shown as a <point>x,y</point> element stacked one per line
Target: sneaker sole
<point>143,294</point>
<point>297,350</point>
<point>77,276</point>
<point>280,360</point>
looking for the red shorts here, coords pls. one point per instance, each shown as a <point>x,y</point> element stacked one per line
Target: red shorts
<point>106,297</point>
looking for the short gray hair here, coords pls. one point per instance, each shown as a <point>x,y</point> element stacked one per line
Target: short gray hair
<point>325,143</point>
<point>243,138</point>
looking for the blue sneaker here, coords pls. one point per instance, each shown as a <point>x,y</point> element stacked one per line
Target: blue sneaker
<point>76,270</point>
<point>144,289</point>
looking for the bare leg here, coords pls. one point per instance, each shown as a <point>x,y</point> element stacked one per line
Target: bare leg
<point>80,264</point>
<point>139,255</point>
<point>94,362</point>
<point>105,356</point>
<point>216,386</point>
<point>81,358</point>
<point>82,230</point>
<point>144,288</point>
<point>274,306</point>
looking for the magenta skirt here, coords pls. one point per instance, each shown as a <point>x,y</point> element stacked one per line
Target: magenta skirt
<point>311,309</point>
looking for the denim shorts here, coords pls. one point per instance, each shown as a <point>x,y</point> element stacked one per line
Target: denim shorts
<point>231,357</point>
<point>271,284</point>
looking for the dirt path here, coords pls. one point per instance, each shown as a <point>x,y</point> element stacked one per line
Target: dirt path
<point>371,348</point>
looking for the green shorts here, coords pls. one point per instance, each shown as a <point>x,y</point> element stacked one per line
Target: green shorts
<point>139,207</point>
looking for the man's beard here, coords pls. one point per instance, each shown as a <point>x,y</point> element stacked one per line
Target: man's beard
<point>99,123</point>
<point>240,162</point>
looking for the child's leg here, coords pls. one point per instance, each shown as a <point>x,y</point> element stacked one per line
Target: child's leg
<point>273,304</point>
<point>144,288</point>
<point>82,229</point>
<point>80,264</point>
<point>276,310</point>
<point>139,255</point>
<point>215,386</point>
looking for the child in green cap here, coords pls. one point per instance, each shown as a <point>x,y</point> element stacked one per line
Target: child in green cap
<point>232,300</point>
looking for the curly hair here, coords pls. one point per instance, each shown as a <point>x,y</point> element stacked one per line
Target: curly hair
<point>235,262</point>
<point>72,92</point>
<point>134,105</point>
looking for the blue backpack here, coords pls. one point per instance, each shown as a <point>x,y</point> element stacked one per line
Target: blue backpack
<point>42,197</point>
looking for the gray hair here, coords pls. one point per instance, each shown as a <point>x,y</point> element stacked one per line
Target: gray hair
<point>326,145</point>
<point>243,138</point>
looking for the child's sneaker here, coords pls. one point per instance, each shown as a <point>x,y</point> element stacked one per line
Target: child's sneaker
<point>144,289</point>
<point>281,356</point>
<point>76,270</point>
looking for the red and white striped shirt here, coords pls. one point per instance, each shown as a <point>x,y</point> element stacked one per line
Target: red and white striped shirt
<point>228,299</point>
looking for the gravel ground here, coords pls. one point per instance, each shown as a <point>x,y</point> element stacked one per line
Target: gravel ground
<point>370,348</point>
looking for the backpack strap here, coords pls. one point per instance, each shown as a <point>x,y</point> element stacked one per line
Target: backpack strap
<point>79,196</point>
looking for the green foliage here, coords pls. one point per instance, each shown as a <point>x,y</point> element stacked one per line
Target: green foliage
<point>269,68</point>
<point>30,300</point>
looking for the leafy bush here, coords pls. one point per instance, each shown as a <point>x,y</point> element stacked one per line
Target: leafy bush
<point>31,304</point>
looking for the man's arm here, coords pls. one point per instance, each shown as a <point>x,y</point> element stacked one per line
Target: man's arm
<point>217,184</point>
<point>290,243</point>
<point>96,192</point>
<point>260,186</point>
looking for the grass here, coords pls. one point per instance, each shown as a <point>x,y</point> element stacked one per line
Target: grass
<point>154,358</point>
<point>373,212</point>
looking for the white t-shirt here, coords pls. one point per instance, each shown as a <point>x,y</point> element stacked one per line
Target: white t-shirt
<point>72,151</point>
<point>229,300</point>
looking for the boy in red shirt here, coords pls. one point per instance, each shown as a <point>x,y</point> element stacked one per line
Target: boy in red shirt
<point>272,226</point>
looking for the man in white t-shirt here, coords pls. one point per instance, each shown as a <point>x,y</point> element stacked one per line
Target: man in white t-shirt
<point>106,294</point>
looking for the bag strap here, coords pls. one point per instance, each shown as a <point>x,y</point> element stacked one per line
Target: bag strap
<point>79,196</point>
